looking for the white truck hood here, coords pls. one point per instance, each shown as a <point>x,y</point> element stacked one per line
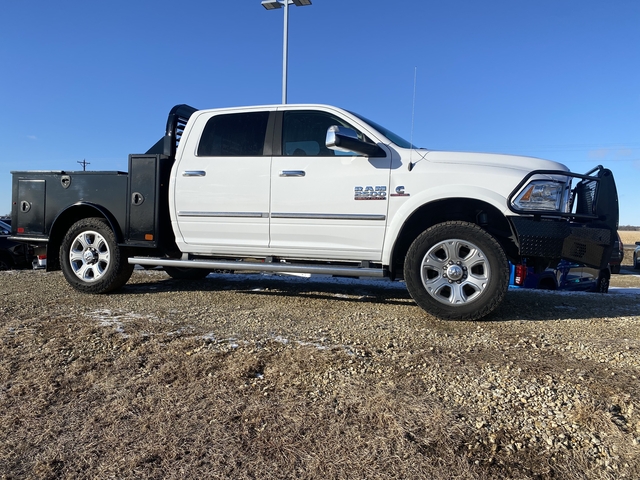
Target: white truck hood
<point>489,160</point>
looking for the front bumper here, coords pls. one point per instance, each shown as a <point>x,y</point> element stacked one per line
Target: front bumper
<point>585,235</point>
<point>555,239</point>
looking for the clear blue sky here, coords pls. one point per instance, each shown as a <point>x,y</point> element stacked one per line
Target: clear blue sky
<point>546,78</point>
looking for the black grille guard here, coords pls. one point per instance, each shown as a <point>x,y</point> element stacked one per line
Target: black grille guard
<point>594,197</point>
<point>585,234</point>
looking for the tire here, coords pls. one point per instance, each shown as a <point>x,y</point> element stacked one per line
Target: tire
<point>547,283</point>
<point>185,273</point>
<point>456,271</point>
<point>5,263</point>
<point>90,258</point>
<point>615,269</point>
<point>636,263</point>
<point>602,285</point>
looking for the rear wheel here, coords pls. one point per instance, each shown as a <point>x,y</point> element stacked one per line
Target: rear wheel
<point>90,258</point>
<point>5,262</point>
<point>185,273</point>
<point>602,285</point>
<point>456,271</point>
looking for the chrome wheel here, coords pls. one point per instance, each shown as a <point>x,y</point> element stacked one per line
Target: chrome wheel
<point>455,272</point>
<point>89,256</point>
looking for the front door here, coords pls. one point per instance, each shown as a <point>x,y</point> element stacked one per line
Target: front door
<point>325,204</point>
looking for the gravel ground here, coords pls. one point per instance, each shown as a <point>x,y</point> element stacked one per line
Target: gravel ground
<point>550,379</point>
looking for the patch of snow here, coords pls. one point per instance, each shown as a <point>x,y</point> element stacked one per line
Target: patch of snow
<point>107,318</point>
<point>624,290</point>
<point>612,290</point>
<point>316,345</point>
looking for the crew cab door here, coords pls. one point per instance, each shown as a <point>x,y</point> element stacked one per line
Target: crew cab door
<point>324,204</point>
<point>221,193</point>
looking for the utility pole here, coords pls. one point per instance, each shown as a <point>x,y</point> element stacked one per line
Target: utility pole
<point>84,164</point>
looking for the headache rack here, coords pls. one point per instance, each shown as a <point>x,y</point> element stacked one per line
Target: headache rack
<point>176,122</point>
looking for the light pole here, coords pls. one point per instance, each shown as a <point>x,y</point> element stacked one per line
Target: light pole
<point>272,5</point>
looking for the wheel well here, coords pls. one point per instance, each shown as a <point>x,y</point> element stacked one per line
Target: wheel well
<point>64,221</point>
<point>547,283</point>
<point>6,258</point>
<point>461,209</point>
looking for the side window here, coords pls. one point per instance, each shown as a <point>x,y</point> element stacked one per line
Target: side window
<point>234,135</point>
<point>304,133</point>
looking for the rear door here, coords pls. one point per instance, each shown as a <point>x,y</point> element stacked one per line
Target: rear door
<point>325,204</point>
<point>221,193</point>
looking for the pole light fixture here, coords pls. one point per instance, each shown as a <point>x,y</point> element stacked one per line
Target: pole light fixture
<point>272,5</point>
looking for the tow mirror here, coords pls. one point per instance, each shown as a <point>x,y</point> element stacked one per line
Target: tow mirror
<point>344,139</point>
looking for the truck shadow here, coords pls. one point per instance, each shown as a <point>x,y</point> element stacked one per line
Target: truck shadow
<point>325,288</point>
<point>544,305</point>
<point>518,305</point>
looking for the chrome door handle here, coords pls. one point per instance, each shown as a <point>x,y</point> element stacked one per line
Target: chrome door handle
<point>194,173</point>
<point>292,173</point>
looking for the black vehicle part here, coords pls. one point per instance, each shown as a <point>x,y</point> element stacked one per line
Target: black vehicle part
<point>176,122</point>
<point>5,262</point>
<point>456,271</point>
<point>589,235</point>
<point>602,285</point>
<point>182,273</point>
<point>90,258</point>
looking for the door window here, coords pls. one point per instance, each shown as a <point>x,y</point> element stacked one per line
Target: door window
<point>304,133</point>
<point>234,135</point>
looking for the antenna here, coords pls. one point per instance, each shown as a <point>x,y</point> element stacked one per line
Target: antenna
<point>413,111</point>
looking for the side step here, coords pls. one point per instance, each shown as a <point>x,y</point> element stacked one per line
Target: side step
<point>260,267</point>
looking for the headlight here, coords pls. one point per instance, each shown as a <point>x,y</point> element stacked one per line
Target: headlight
<point>541,195</point>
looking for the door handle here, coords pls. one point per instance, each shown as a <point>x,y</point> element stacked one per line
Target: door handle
<point>292,173</point>
<point>194,173</point>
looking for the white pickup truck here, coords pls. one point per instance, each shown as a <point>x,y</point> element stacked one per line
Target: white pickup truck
<point>317,189</point>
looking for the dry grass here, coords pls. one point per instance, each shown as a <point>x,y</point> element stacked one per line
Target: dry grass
<point>81,400</point>
<point>92,404</point>
<point>629,237</point>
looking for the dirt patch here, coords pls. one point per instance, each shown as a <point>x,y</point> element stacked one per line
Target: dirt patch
<point>264,377</point>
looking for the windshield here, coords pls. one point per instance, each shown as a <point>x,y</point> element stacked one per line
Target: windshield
<point>397,139</point>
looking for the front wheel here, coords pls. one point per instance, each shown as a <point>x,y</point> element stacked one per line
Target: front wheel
<point>456,271</point>
<point>90,258</point>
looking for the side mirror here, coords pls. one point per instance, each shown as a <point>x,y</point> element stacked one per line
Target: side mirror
<point>346,139</point>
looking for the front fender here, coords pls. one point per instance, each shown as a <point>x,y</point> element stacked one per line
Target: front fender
<point>402,208</point>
